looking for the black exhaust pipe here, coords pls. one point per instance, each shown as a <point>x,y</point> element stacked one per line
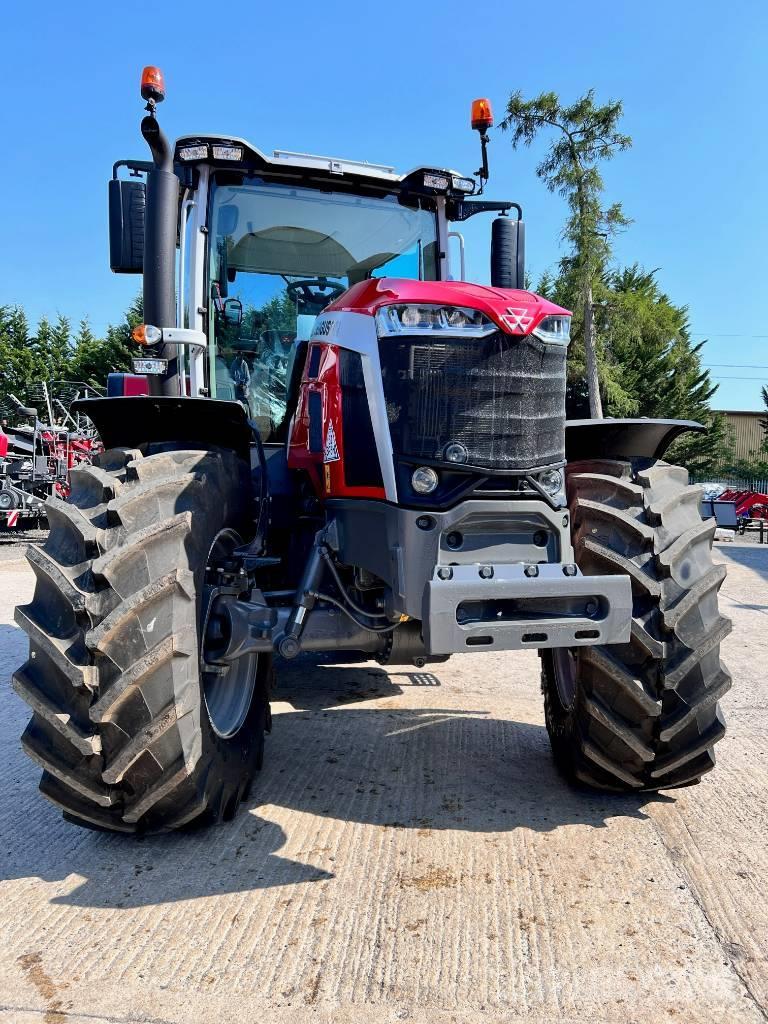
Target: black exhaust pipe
<point>160,233</point>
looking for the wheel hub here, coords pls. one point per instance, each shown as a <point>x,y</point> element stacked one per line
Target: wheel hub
<point>227,685</point>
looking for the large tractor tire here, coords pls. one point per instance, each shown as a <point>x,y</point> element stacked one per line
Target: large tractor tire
<point>642,715</point>
<point>132,730</point>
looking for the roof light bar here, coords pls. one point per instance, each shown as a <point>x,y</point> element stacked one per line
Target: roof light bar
<point>440,181</point>
<point>194,152</point>
<point>463,184</point>
<point>227,152</point>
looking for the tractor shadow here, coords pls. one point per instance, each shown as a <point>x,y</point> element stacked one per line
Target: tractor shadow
<point>321,682</point>
<point>329,756</point>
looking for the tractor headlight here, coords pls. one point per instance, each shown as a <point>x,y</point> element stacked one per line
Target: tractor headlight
<point>413,318</point>
<point>424,480</point>
<point>552,481</point>
<point>455,452</point>
<point>554,329</point>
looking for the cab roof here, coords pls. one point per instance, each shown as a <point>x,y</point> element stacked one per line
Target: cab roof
<point>284,162</point>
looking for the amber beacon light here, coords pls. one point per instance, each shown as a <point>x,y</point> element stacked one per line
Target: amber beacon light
<point>482,115</point>
<point>153,84</point>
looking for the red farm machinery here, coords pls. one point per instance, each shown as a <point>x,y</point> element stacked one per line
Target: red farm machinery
<point>36,457</point>
<point>332,443</point>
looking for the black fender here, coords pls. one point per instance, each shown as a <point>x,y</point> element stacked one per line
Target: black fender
<point>623,439</point>
<point>136,420</point>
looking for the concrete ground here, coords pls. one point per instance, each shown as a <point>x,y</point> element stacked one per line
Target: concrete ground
<point>409,853</point>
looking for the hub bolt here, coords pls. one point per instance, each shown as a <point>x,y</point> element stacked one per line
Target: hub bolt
<point>425,522</point>
<point>540,539</point>
<point>590,607</point>
<point>486,572</point>
<point>531,570</point>
<point>445,572</point>
<point>454,539</point>
<point>569,570</point>
<point>288,647</point>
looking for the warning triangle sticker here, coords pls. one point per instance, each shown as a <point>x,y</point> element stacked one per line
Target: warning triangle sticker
<point>331,453</point>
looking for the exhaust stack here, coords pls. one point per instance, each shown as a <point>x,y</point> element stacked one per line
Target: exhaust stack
<point>161,225</point>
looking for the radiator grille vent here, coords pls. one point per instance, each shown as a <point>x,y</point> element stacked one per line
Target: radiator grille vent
<point>502,398</point>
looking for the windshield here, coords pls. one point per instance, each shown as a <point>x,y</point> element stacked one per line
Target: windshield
<point>279,255</point>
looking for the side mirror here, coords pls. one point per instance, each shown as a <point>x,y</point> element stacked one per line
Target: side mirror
<point>127,208</point>
<point>233,312</point>
<point>508,253</point>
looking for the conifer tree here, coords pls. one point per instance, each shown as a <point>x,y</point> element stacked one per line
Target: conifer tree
<point>584,135</point>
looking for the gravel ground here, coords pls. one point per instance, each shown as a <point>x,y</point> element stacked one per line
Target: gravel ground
<point>409,853</point>
<point>14,543</point>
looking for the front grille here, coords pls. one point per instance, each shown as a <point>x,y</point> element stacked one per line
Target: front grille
<point>501,397</point>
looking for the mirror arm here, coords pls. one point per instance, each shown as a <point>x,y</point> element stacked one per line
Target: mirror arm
<point>463,209</point>
<point>135,167</point>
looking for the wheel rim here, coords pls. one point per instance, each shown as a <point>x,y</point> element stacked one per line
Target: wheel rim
<point>227,688</point>
<point>564,665</point>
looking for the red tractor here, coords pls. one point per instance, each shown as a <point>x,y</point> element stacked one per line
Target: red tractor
<point>331,442</point>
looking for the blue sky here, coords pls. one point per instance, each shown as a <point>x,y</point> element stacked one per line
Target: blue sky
<point>392,83</point>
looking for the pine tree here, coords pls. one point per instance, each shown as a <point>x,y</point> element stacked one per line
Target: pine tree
<point>51,354</point>
<point>586,135</point>
<point>60,348</point>
<point>51,347</point>
<point>18,363</point>
<point>94,358</point>
<point>659,366</point>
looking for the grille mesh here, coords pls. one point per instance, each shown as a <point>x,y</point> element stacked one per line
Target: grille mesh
<point>501,397</point>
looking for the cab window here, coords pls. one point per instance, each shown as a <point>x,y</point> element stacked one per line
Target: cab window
<point>279,255</point>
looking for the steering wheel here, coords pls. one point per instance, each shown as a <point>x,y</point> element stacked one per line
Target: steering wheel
<point>314,294</point>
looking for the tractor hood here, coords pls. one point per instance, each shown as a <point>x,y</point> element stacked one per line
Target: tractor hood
<point>513,310</point>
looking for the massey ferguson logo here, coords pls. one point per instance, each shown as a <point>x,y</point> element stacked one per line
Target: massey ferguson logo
<point>518,319</point>
<point>323,328</point>
<point>331,452</point>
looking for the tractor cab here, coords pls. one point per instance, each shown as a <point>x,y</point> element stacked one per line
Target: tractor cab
<point>264,244</point>
<point>282,248</point>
